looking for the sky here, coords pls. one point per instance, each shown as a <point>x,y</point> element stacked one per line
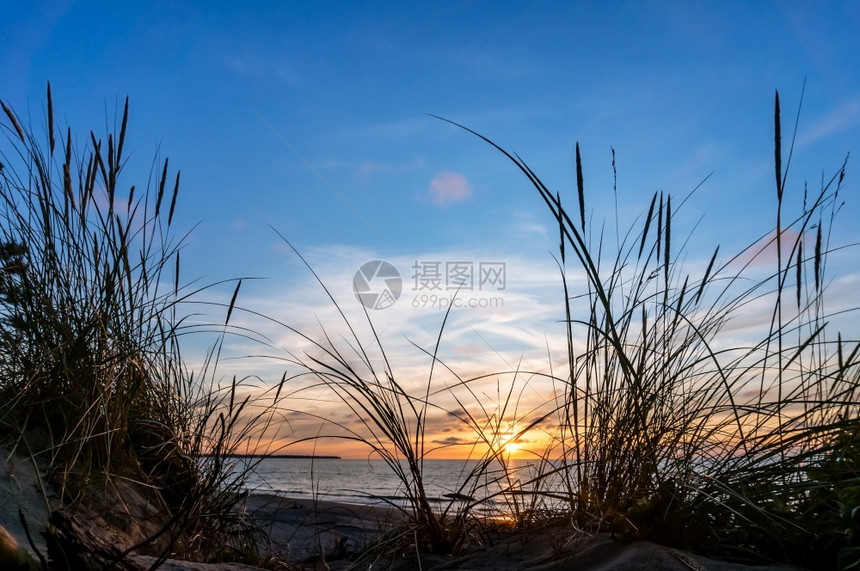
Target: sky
<point>314,122</point>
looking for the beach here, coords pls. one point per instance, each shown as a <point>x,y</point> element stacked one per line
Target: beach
<point>323,534</point>
<point>306,530</point>
<point>337,535</point>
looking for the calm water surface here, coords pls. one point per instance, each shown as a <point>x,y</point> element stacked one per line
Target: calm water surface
<point>373,481</point>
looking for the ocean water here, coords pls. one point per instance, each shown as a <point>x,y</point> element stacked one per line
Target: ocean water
<point>374,482</point>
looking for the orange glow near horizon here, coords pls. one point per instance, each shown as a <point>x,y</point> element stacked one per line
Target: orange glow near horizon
<point>508,447</point>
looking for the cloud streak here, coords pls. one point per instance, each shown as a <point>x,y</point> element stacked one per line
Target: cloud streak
<point>518,343</point>
<point>841,118</point>
<point>368,169</point>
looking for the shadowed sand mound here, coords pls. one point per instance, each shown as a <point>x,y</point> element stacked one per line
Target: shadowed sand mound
<point>343,536</point>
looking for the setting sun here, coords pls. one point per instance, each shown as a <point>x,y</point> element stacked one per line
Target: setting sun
<point>510,442</point>
<point>512,447</point>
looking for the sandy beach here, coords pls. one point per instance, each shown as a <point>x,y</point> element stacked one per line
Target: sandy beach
<point>305,530</point>
<point>327,534</point>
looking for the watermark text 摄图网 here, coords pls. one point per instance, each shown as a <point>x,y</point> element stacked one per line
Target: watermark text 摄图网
<point>435,275</point>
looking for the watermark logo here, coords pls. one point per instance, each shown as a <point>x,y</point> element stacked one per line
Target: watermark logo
<point>377,284</point>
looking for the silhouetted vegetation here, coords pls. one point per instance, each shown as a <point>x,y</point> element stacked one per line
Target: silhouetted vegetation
<point>92,381</point>
<point>665,428</point>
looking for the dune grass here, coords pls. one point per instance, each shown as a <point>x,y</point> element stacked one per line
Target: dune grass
<point>670,433</point>
<point>667,429</point>
<point>391,421</point>
<point>92,379</point>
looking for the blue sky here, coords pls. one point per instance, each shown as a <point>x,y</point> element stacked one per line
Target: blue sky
<point>312,117</point>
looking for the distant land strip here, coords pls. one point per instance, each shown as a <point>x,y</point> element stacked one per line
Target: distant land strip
<point>294,456</point>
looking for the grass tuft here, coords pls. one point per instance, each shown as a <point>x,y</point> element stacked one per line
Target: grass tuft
<point>746,452</point>
<point>92,380</point>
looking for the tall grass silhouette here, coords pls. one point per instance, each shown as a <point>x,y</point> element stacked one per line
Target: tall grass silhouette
<point>92,381</point>
<point>392,421</point>
<point>666,428</point>
<point>670,433</point>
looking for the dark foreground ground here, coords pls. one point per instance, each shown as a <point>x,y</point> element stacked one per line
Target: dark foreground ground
<point>336,536</point>
<point>330,535</point>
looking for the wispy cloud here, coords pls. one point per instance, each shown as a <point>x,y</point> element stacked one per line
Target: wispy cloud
<point>474,342</point>
<point>526,223</point>
<point>695,165</point>
<point>448,187</point>
<point>452,441</point>
<point>476,339</point>
<point>334,163</point>
<point>395,129</point>
<point>367,169</point>
<point>764,254</point>
<point>254,65</point>
<point>841,118</point>
<point>510,342</point>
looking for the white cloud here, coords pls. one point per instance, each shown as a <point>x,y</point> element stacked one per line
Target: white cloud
<point>448,187</point>
<point>526,223</point>
<point>475,339</point>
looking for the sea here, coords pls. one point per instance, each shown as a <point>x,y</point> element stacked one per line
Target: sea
<point>375,482</point>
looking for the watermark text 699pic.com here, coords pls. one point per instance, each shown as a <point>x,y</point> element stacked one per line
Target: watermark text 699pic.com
<point>433,301</point>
